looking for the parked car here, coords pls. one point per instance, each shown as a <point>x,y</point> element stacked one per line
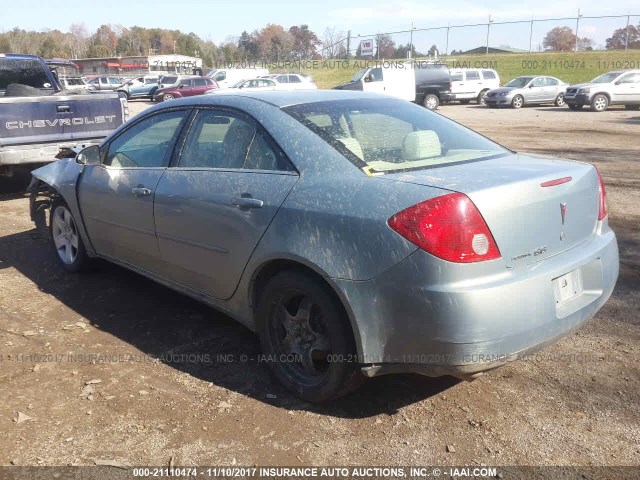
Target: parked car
<point>527,90</point>
<point>474,254</point>
<point>106,83</point>
<point>294,81</point>
<point>472,84</point>
<point>393,80</point>
<point>75,84</point>
<point>251,85</point>
<point>188,87</point>
<point>225,77</point>
<point>433,84</point>
<point>140,87</point>
<point>621,87</point>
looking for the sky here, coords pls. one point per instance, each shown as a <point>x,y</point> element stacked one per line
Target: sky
<point>217,21</point>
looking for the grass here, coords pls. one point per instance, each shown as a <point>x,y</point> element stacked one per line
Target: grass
<point>567,66</point>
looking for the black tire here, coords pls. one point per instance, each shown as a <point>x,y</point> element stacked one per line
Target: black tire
<point>123,94</point>
<point>167,96</point>
<point>481,97</point>
<point>518,101</point>
<point>72,258</point>
<point>599,103</point>
<point>559,101</point>
<point>632,107</point>
<point>575,106</point>
<point>294,314</point>
<point>431,101</point>
<point>20,90</point>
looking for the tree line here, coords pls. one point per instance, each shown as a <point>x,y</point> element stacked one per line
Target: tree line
<point>273,43</point>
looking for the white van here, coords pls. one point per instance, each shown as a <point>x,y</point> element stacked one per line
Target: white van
<point>396,80</point>
<point>472,84</point>
<point>225,77</point>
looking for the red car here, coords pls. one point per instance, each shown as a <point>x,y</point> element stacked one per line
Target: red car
<point>188,87</point>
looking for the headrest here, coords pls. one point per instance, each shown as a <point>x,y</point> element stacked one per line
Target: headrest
<point>420,145</point>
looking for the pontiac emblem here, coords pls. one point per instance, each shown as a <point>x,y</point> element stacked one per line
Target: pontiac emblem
<point>563,211</point>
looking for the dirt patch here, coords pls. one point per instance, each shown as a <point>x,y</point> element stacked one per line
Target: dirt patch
<point>111,366</point>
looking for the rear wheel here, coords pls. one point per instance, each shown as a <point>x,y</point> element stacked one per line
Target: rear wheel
<point>431,101</point>
<point>123,94</point>
<point>559,102</point>
<point>599,103</point>
<point>518,101</point>
<point>66,239</point>
<point>574,106</point>
<point>307,338</point>
<point>167,96</point>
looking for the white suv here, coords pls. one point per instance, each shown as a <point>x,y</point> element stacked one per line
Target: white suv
<point>621,87</point>
<point>472,84</point>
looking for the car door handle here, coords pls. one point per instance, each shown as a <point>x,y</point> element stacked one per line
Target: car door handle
<point>141,191</point>
<point>63,108</point>
<point>246,202</point>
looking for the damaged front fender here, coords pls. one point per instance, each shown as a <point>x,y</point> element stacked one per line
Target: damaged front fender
<point>57,180</point>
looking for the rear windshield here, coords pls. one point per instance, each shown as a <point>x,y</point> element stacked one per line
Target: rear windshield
<point>25,71</point>
<point>392,135</point>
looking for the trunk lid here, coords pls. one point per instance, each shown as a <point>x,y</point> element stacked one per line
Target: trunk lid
<point>529,222</point>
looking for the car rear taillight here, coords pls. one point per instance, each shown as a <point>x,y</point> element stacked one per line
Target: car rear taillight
<point>449,227</point>
<point>602,207</point>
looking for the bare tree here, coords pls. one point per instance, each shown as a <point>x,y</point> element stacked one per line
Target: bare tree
<point>333,43</point>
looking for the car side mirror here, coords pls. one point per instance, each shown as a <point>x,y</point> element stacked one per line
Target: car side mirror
<point>618,82</point>
<point>89,156</point>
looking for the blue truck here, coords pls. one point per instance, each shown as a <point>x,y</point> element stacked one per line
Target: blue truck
<point>40,122</point>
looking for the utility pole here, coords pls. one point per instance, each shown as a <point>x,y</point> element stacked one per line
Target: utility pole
<point>348,43</point>
<point>530,35</point>
<point>577,25</point>
<point>626,40</point>
<point>411,42</point>
<point>446,47</point>
<point>488,30</point>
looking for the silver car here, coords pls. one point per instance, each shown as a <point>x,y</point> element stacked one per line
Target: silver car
<point>527,90</point>
<point>358,234</point>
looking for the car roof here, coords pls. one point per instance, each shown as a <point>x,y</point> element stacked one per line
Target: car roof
<point>286,98</point>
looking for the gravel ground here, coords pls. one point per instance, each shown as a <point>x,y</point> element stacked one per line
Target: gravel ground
<point>78,383</point>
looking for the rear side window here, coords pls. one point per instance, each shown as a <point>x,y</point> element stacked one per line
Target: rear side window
<point>200,82</point>
<point>456,77</point>
<point>550,82</point>
<point>488,75</point>
<point>220,139</point>
<point>24,71</point>
<point>294,79</point>
<point>473,75</point>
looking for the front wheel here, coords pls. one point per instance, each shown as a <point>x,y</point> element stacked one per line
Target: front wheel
<point>559,102</point>
<point>431,101</point>
<point>66,239</point>
<point>518,101</point>
<point>307,338</point>
<point>599,103</point>
<point>482,97</point>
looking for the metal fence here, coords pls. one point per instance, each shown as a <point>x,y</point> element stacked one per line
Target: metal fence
<point>521,36</point>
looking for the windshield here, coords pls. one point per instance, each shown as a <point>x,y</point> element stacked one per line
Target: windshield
<point>237,84</point>
<point>169,80</point>
<point>359,75</point>
<point>519,82</point>
<point>606,78</point>
<point>390,135</point>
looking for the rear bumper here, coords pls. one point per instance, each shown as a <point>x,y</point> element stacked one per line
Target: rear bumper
<point>416,318</point>
<point>39,153</point>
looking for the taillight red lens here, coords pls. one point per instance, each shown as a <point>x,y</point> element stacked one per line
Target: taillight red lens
<point>602,208</point>
<point>449,227</point>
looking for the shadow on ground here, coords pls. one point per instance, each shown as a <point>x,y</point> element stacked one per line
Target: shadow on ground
<point>188,335</point>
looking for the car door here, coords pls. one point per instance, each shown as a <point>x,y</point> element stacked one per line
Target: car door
<point>473,83</point>
<point>116,197</point>
<point>212,208</point>
<point>627,88</point>
<point>200,86</point>
<point>536,90</point>
<point>551,89</point>
<point>186,88</point>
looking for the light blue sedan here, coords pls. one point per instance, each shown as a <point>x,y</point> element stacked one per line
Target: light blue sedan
<point>358,234</point>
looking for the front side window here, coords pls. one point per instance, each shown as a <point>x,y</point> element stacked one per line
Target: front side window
<point>473,75</point>
<point>519,82</point>
<point>630,78</point>
<point>220,76</point>
<point>148,143</point>
<point>220,139</point>
<point>538,82</point>
<point>283,79</point>
<point>391,135</point>
<point>376,74</point>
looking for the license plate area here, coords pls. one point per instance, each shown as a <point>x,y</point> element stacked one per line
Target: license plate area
<point>567,287</point>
